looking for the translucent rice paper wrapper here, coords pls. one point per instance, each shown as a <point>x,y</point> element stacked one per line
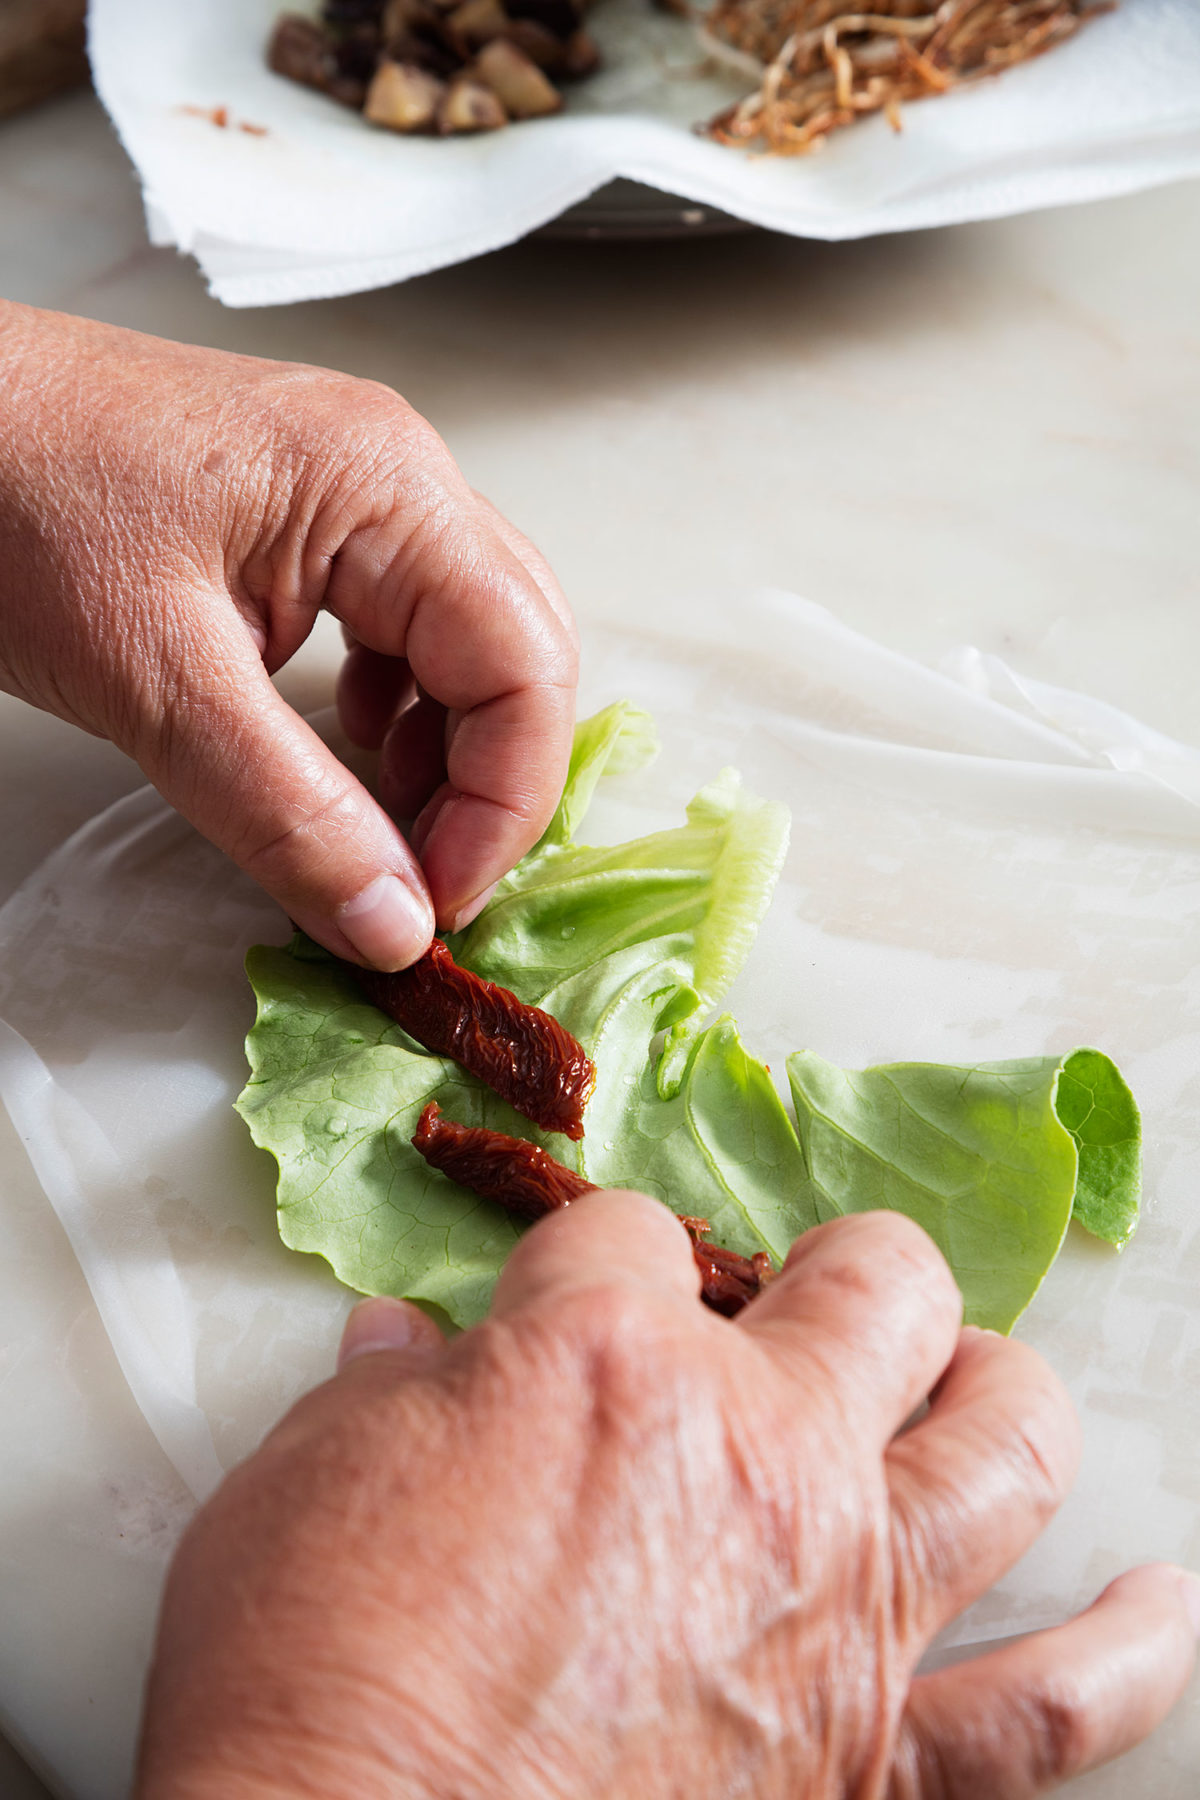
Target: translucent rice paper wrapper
<point>322,204</point>
<point>981,867</point>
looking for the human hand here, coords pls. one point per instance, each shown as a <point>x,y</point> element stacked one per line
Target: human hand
<point>172,520</point>
<point>611,1544</point>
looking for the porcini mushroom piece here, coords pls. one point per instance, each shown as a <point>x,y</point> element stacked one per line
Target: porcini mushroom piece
<point>423,50</point>
<point>519,83</point>
<point>540,46</point>
<point>303,51</point>
<point>562,17</point>
<point>581,54</point>
<point>400,16</point>
<point>469,106</point>
<point>477,22</point>
<point>404,97</point>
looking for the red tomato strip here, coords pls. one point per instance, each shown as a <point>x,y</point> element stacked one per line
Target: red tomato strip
<point>530,1183</point>
<point>522,1177</point>
<point>530,1060</point>
<point>728,1280</point>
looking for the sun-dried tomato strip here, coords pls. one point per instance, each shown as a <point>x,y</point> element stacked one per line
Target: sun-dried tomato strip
<point>728,1280</point>
<point>521,1176</point>
<point>530,1060</point>
<point>529,1182</point>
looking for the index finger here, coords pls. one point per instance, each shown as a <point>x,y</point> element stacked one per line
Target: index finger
<point>867,1305</point>
<point>506,762</point>
<point>436,583</point>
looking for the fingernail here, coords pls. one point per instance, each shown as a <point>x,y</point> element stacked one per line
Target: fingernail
<point>379,1324</point>
<point>473,908</point>
<point>1189,1587</point>
<point>387,923</point>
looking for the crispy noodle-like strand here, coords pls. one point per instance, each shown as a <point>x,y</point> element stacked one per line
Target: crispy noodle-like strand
<point>521,1052</point>
<point>824,64</point>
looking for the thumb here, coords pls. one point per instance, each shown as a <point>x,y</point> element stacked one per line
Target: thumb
<point>229,753</point>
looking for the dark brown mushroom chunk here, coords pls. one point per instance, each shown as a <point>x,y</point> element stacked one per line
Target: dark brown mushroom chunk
<point>351,12</point>
<point>400,16</point>
<point>477,22</point>
<point>425,47</point>
<point>304,52</point>
<point>561,17</point>
<point>540,46</point>
<point>581,55</point>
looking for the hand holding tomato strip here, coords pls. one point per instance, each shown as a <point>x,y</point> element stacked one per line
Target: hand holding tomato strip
<point>529,1182</point>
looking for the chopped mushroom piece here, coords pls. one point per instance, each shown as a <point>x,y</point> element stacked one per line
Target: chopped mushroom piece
<point>519,83</point>
<point>581,56</point>
<point>400,15</point>
<point>404,97</point>
<point>540,46</point>
<point>425,49</point>
<point>558,16</point>
<point>469,106</point>
<point>304,52</point>
<point>410,64</point>
<point>477,22</point>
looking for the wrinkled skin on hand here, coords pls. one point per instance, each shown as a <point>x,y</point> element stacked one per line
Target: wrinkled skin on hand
<point>172,520</point>
<point>609,1544</point>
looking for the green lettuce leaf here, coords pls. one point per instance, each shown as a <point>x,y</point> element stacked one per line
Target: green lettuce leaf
<point>631,947</point>
<point>617,943</point>
<point>616,741</point>
<point>991,1159</point>
<point>1097,1108</point>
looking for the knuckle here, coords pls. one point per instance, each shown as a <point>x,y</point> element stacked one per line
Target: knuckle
<point>273,852</point>
<point>368,437</point>
<point>396,436</point>
<point>624,1334</point>
<point>1058,1731</point>
<point>884,1250</point>
<point>918,1557</point>
<point>913,1252</point>
<point>589,1350</point>
<point>611,1320</point>
<point>919,1769</point>
<point>1046,1462</point>
<point>1044,1430</point>
<point>405,432</point>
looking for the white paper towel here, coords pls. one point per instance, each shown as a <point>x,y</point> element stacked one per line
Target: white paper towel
<point>323,204</point>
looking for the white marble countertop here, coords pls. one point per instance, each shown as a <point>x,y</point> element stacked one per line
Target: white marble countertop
<point>986,435</point>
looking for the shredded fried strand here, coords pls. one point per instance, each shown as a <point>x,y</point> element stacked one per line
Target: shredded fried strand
<point>824,67</point>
